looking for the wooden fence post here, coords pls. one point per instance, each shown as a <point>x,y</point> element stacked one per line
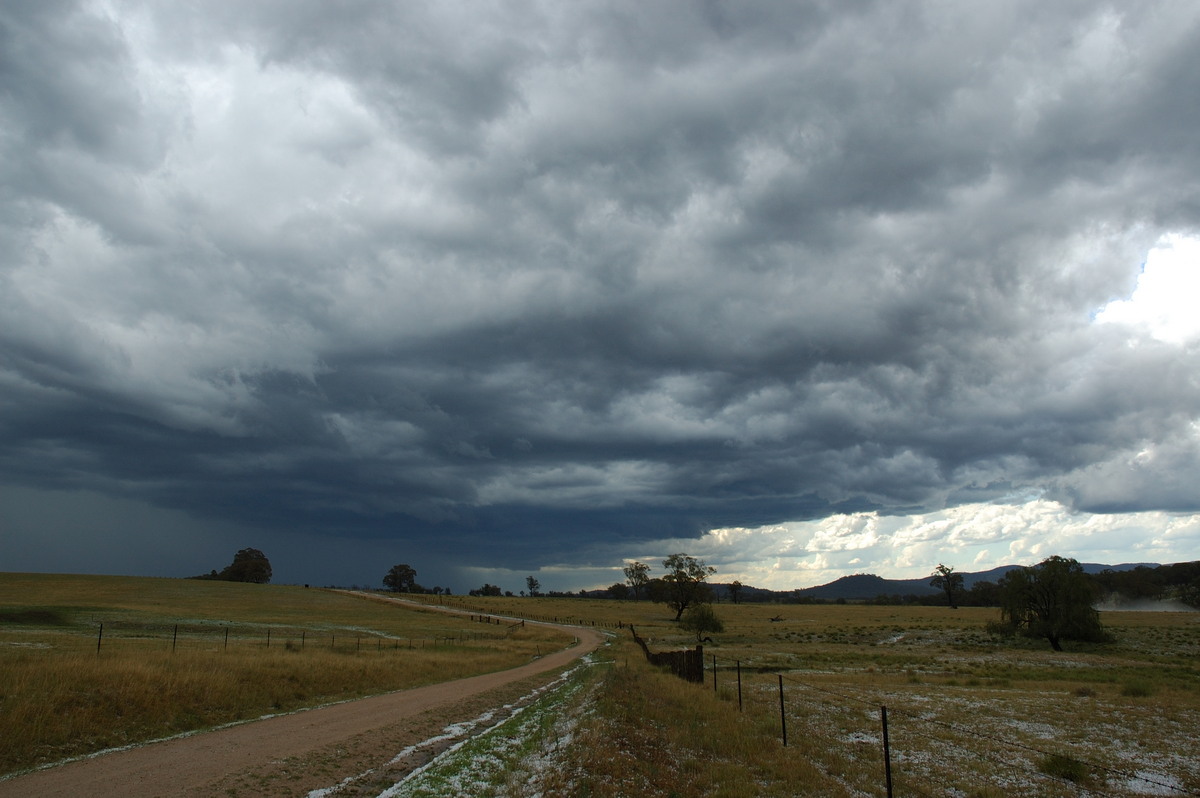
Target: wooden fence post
<point>714,656</point>
<point>99,638</point>
<point>174,638</point>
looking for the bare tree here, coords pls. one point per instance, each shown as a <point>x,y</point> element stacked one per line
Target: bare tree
<point>533,584</point>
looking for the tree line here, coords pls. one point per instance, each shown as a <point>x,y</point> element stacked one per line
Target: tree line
<point>1055,599</point>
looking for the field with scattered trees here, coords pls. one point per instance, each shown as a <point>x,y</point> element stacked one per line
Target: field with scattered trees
<point>790,703</point>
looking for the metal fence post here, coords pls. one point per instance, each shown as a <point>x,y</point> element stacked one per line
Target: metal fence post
<point>739,678</point>
<point>887,752</point>
<point>782,713</point>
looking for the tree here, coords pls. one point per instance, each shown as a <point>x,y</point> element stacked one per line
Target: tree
<point>533,585</point>
<point>946,580</point>
<point>701,619</point>
<point>735,591</point>
<point>1052,600</point>
<point>684,582</point>
<point>487,590</point>
<point>638,575</point>
<point>983,594</point>
<point>249,565</point>
<point>400,578</point>
<point>619,590</point>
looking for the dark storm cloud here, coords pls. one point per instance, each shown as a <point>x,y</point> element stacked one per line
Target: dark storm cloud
<point>532,282</point>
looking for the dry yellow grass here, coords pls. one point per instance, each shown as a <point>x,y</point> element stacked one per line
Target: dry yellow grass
<point>969,714</point>
<point>650,734</point>
<point>61,697</point>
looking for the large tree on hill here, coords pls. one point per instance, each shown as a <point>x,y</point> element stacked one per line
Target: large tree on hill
<point>684,582</point>
<point>401,578</point>
<point>249,565</point>
<point>1052,599</point>
<point>946,580</point>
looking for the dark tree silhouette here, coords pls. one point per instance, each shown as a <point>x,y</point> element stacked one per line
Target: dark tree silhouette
<point>249,565</point>
<point>701,619</point>
<point>946,580</point>
<point>638,575</point>
<point>401,578</point>
<point>619,590</point>
<point>1052,600</point>
<point>684,582</point>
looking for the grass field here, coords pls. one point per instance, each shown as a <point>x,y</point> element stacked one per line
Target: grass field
<point>969,715</point>
<point>179,655</point>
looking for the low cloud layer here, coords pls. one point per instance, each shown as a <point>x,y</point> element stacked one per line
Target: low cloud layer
<point>540,284</point>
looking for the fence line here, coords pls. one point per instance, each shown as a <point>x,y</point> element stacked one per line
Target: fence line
<point>963,732</point>
<point>180,637</point>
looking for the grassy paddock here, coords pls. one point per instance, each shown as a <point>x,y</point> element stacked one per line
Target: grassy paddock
<point>969,714</point>
<point>62,698</point>
<point>651,734</point>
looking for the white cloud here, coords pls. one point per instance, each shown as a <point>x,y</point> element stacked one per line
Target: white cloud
<point>1164,303</point>
<point>972,537</point>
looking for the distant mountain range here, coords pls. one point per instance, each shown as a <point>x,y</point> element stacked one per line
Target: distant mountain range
<point>863,587</point>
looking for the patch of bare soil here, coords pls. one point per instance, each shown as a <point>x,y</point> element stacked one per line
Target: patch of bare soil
<point>294,754</point>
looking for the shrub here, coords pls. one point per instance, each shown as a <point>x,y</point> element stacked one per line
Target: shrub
<point>1137,689</point>
<point>1064,767</point>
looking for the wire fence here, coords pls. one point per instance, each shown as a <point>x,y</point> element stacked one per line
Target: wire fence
<point>118,635</point>
<point>904,736</point>
<point>466,605</point>
<point>894,730</point>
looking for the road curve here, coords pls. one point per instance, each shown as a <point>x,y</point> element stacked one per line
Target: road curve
<point>194,765</point>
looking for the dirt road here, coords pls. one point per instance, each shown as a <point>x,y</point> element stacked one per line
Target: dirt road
<point>290,754</point>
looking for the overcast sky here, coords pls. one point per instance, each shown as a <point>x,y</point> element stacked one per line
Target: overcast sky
<point>805,289</point>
